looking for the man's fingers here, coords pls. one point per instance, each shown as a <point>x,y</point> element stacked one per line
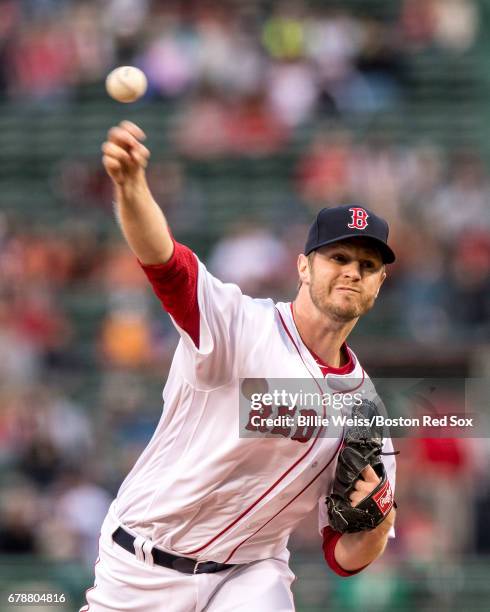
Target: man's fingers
<point>370,475</point>
<point>138,154</point>
<point>133,129</point>
<point>356,498</point>
<point>364,486</point>
<point>139,159</point>
<point>111,163</point>
<point>126,141</point>
<point>362,490</point>
<point>123,153</point>
<point>141,152</point>
<point>113,168</point>
<point>122,138</point>
<point>112,150</point>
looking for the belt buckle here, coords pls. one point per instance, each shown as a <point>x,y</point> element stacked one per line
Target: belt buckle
<point>211,567</point>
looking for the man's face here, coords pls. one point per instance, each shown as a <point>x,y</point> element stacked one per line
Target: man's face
<point>343,279</point>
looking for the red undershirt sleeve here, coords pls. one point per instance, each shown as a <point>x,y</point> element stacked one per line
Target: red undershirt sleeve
<point>330,539</point>
<point>175,285</point>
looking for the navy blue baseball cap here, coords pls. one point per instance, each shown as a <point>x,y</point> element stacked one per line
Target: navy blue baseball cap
<point>343,222</point>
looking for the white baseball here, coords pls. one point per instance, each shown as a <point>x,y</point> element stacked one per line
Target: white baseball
<point>126,84</point>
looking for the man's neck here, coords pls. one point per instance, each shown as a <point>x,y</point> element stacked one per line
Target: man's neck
<point>320,333</point>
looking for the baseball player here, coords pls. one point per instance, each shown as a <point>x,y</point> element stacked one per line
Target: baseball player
<point>202,521</point>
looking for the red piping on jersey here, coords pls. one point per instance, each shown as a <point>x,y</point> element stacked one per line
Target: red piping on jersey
<point>273,486</point>
<point>289,503</point>
<point>345,369</point>
<point>305,364</point>
<point>329,540</point>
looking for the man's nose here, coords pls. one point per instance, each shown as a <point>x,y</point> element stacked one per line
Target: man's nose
<point>352,270</point>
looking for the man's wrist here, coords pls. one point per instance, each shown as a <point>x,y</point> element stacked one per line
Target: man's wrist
<point>381,530</point>
<point>132,189</point>
<point>356,550</point>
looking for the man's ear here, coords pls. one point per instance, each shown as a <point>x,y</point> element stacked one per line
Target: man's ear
<point>382,280</point>
<point>303,268</point>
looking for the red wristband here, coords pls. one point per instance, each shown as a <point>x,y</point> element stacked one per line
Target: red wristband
<point>330,539</point>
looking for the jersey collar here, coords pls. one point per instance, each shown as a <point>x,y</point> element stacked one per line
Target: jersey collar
<point>320,367</point>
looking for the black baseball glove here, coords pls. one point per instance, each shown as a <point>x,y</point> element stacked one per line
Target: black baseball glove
<point>362,447</point>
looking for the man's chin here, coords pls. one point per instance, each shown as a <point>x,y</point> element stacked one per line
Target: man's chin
<point>343,313</point>
<point>345,310</point>
<point>342,308</point>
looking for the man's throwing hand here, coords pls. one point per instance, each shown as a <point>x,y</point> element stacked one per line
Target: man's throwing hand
<point>125,157</point>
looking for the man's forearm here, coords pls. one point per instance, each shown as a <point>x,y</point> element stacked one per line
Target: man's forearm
<point>356,550</point>
<point>142,222</point>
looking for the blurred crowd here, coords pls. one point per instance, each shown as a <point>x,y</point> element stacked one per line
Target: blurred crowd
<point>291,56</point>
<point>74,304</point>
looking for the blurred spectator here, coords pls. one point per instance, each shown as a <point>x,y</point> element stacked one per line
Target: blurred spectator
<point>423,295</point>
<point>283,34</point>
<point>82,184</point>
<point>461,204</point>
<point>252,129</point>
<point>323,172</point>
<point>292,92</point>
<point>64,422</point>
<point>81,507</point>
<point>470,290</point>
<point>18,519</point>
<point>10,10</point>
<point>418,21</point>
<point>377,171</point>
<point>380,62</point>
<point>21,361</point>
<point>456,23</point>
<point>451,24</point>
<point>38,318</point>
<point>178,195</point>
<point>333,41</point>
<point>41,461</point>
<point>93,49</point>
<point>209,127</point>
<point>126,338</point>
<point>252,258</point>
<point>42,58</point>
<point>120,271</point>
<point>169,58</point>
<point>202,126</point>
<point>448,471</point>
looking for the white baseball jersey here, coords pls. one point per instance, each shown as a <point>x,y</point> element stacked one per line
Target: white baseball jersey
<point>201,490</point>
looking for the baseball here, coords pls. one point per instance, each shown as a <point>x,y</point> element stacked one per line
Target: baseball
<point>126,84</point>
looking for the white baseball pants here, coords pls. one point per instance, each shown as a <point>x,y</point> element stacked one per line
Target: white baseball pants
<point>123,582</point>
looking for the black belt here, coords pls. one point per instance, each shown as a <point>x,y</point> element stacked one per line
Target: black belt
<point>160,557</point>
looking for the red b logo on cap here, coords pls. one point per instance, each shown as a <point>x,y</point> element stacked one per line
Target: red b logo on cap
<point>359,218</point>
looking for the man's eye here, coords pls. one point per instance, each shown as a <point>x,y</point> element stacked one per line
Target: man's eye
<point>369,265</point>
<point>339,258</point>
